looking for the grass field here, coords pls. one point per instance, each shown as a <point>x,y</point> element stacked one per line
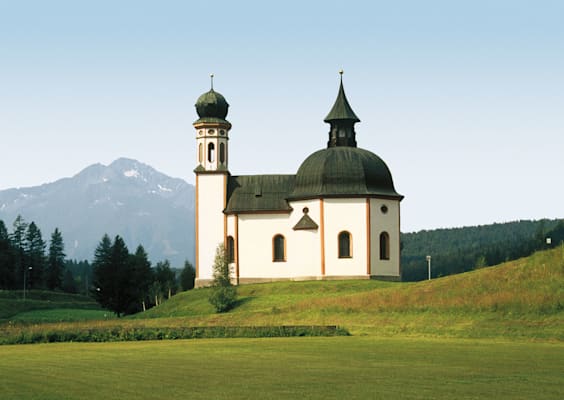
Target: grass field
<point>492,333</point>
<point>285,368</point>
<point>522,299</point>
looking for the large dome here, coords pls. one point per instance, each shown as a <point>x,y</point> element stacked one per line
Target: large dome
<point>212,105</point>
<point>343,172</point>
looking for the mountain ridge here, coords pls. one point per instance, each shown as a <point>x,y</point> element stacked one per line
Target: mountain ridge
<point>126,198</point>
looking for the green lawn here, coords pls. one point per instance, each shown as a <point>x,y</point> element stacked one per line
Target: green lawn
<point>61,315</point>
<point>285,368</point>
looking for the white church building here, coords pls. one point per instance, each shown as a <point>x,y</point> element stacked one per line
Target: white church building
<point>338,217</point>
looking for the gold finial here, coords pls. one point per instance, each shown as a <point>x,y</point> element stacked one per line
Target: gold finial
<point>211,78</point>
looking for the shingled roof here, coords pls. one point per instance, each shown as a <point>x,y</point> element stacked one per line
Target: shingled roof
<point>255,193</point>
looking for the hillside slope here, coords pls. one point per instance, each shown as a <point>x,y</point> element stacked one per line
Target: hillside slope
<point>522,297</point>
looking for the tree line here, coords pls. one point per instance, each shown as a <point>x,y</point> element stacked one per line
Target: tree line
<point>121,282</point>
<point>25,261</point>
<point>457,250</point>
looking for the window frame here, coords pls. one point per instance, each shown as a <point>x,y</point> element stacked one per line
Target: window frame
<point>384,245</point>
<point>275,256</point>
<point>230,249</point>
<point>340,245</point>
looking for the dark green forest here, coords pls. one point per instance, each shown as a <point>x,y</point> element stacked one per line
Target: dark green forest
<point>457,250</point>
<point>120,281</point>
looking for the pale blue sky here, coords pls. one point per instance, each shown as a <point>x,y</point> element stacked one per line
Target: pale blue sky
<point>464,100</point>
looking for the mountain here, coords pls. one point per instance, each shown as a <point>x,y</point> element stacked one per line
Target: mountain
<point>126,198</point>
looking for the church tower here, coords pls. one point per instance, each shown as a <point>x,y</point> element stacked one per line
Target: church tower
<point>212,135</point>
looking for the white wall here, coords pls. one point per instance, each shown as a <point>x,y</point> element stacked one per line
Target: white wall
<point>210,225</point>
<point>345,215</point>
<point>256,232</point>
<point>385,222</point>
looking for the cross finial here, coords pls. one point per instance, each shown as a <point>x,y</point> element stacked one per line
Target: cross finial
<point>211,78</point>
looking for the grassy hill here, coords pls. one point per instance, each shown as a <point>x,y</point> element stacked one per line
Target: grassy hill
<point>46,306</point>
<point>517,299</point>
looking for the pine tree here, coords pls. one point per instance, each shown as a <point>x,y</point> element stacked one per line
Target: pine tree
<point>17,239</point>
<point>187,276</point>
<point>102,271</point>
<point>166,278</point>
<point>56,261</point>
<point>142,278</point>
<point>35,255</point>
<point>224,295</point>
<point>7,271</point>
<point>113,277</point>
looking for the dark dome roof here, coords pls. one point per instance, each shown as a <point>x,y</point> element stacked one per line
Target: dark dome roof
<point>343,171</point>
<point>212,105</point>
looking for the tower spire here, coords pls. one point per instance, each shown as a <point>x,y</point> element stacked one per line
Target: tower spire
<point>342,119</point>
<point>211,79</point>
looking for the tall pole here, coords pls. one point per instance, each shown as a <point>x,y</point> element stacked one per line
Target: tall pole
<point>429,266</point>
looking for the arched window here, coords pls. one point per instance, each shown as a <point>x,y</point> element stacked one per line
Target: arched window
<point>200,152</point>
<point>384,246</point>
<point>279,248</point>
<point>230,249</point>
<point>211,152</point>
<point>222,153</point>
<point>345,245</point>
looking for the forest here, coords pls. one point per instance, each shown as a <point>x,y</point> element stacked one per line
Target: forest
<point>457,250</point>
<point>121,281</point>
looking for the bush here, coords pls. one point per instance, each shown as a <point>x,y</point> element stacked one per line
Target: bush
<point>223,295</point>
<point>223,298</point>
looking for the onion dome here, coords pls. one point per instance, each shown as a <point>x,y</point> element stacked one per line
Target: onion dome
<point>212,106</point>
<point>343,172</point>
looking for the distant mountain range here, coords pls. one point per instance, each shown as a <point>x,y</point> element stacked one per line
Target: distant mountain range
<point>126,198</point>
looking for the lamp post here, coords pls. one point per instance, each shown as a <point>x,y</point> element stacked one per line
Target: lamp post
<point>25,275</point>
<point>429,266</point>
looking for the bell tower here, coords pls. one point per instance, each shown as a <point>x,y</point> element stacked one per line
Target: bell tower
<point>212,136</point>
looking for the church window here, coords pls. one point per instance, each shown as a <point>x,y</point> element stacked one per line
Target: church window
<point>230,249</point>
<point>211,152</point>
<point>279,248</point>
<point>384,246</point>
<point>200,152</point>
<point>384,209</point>
<point>222,153</point>
<point>345,245</point>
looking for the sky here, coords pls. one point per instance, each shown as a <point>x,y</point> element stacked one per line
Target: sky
<point>464,100</point>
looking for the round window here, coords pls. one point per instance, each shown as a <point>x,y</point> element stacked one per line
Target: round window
<point>384,209</point>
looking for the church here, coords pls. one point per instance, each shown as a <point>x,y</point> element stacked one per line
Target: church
<point>338,217</point>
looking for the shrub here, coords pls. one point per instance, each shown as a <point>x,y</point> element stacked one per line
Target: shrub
<point>223,295</point>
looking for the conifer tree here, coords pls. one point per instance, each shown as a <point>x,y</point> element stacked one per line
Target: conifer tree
<point>35,255</point>
<point>224,295</point>
<point>102,271</point>
<point>166,278</point>
<point>187,276</point>
<point>7,271</point>
<point>17,238</point>
<point>142,278</point>
<point>56,261</point>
